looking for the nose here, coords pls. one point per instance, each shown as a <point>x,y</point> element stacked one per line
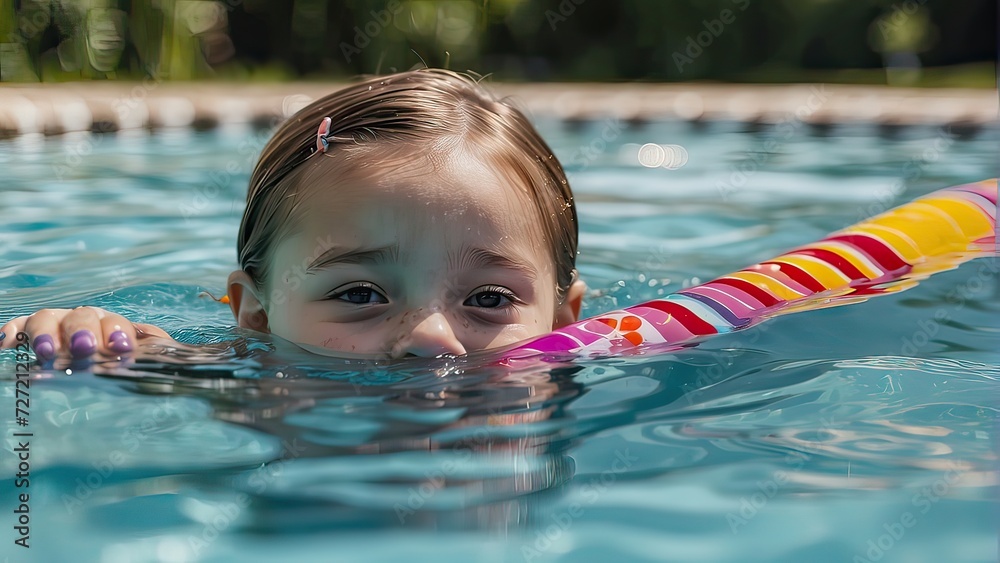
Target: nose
<point>431,337</point>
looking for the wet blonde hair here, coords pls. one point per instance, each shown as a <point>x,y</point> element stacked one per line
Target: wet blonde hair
<point>421,108</point>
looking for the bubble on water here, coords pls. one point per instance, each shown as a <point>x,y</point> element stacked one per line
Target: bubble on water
<point>652,155</point>
<point>671,157</point>
<point>679,157</point>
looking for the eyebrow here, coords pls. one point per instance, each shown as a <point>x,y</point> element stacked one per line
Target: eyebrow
<point>337,255</point>
<point>473,258</point>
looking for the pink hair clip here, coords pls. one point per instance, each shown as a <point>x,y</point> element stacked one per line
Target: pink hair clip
<point>321,134</point>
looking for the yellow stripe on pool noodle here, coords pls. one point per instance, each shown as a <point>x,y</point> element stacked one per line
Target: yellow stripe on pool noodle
<point>824,273</point>
<point>932,233</point>
<point>767,283</point>
<point>966,214</point>
<point>933,210</point>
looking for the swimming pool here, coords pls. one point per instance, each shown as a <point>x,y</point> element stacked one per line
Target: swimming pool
<point>857,433</point>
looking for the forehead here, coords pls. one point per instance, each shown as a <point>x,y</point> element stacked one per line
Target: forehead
<point>417,195</point>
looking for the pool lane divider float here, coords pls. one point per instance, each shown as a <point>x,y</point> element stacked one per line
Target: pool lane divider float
<point>910,242</point>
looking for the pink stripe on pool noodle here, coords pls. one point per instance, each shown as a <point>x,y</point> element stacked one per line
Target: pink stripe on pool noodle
<point>980,188</point>
<point>724,298</point>
<point>553,342</point>
<point>743,296</point>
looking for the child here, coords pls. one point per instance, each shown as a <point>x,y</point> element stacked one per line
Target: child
<point>409,214</point>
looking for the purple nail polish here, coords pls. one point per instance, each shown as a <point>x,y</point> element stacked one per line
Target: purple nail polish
<point>82,344</point>
<point>2,335</point>
<point>45,348</point>
<point>118,342</point>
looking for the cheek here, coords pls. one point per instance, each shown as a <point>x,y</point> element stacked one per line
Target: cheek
<point>336,337</point>
<point>293,320</point>
<point>531,325</point>
<point>306,324</point>
<point>509,336</point>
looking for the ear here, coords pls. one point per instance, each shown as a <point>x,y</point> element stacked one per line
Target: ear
<point>569,312</point>
<point>245,303</point>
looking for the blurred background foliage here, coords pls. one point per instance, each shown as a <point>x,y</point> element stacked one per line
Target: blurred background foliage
<point>896,42</point>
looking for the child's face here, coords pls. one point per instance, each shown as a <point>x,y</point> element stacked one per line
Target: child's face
<point>439,254</point>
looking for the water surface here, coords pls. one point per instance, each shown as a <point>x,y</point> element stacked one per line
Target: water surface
<point>864,432</point>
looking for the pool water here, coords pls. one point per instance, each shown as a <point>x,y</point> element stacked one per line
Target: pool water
<point>856,433</point>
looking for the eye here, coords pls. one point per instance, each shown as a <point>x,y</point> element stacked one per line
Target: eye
<point>359,294</point>
<point>492,297</point>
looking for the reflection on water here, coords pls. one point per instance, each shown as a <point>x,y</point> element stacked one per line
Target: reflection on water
<point>425,443</point>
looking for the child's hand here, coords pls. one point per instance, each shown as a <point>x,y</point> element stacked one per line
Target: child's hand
<point>83,331</point>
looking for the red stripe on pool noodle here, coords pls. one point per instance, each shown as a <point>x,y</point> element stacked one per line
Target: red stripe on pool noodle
<point>877,249</point>
<point>834,260</point>
<point>691,321</point>
<point>799,275</point>
<point>757,293</point>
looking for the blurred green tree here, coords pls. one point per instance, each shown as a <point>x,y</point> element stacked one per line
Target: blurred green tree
<point>881,41</point>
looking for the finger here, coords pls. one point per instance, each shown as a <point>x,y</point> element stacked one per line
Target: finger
<point>117,336</point>
<point>43,329</point>
<point>145,330</point>
<point>8,332</point>
<point>80,329</point>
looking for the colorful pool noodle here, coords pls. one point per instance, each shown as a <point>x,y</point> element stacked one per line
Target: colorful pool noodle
<point>930,234</point>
